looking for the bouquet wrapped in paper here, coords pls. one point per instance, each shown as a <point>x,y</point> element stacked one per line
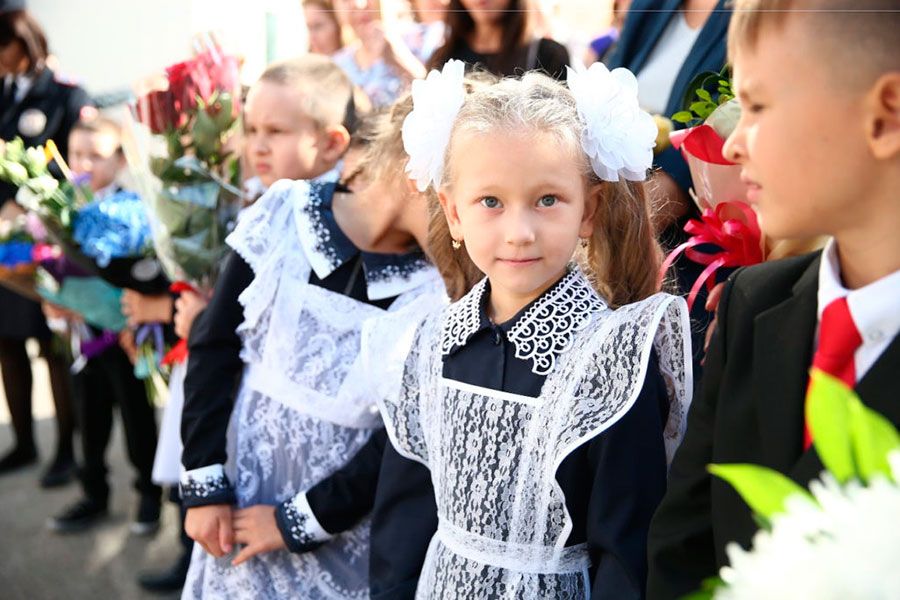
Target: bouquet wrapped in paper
<point>727,234</point>
<point>108,237</point>
<point>192,188</point>
<point>841,538</point>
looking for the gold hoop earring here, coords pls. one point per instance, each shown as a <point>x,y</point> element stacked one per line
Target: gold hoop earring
<point>456,244</point>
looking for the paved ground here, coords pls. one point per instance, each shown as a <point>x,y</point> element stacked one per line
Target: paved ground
<point>36,564</point>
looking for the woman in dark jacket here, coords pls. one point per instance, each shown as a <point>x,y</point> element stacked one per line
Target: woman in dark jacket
<point>37,107</point>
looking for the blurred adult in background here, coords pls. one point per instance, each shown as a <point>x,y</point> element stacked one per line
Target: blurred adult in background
<point>324,30</point>
<point>498,36</point>
<point>378,61</point>
<point>603,46</point>
<point>666,45</point>
<point>37,107</point>
<point>426,32</point>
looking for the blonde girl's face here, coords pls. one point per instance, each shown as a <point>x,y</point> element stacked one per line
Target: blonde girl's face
<point>280,140</point>
<point>519,203</point>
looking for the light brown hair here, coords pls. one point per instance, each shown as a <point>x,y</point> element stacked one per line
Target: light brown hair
<point>327,91</point>
<point>862,34</point>
<point>99,125</point>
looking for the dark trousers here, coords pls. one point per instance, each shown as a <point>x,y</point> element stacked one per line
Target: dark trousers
<point>17,383</point>
<point>105,381</point>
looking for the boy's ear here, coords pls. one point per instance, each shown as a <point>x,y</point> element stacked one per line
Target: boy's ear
<point>591,203</point>
<point>451,214</point>
<point>883,127</point>
<point>337,141</point>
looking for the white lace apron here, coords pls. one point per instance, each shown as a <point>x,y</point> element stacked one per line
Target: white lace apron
<point>493,456</point>
<point>299,414</point>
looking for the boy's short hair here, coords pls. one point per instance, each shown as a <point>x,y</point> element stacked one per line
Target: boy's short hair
<point>865,32</point>
<point>99,124</point>
<point>327,91</point>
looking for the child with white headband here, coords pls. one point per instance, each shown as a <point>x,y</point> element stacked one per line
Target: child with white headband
<point>548,400</point>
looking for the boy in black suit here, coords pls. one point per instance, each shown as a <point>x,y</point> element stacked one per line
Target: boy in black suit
<point>819,142</point>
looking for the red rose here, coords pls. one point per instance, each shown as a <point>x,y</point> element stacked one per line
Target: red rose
<point>157,111</point>
<point>182,85</point>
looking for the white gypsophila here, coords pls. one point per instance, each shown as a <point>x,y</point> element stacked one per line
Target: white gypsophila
<point>618,135</point>
<point>847,546</point>
<point>426,130</point>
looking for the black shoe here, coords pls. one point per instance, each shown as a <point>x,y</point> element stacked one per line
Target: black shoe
<point>61,472</point>
<point>78,517</point>
<point>167,581</point>
<point>147,519</point>
<point>17,458</point>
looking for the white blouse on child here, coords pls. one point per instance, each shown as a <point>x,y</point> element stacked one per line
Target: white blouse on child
<point>493,456</point>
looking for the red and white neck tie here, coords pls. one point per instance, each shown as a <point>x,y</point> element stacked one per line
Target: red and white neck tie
<point>838,341</point>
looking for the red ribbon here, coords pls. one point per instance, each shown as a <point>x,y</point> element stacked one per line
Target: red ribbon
<point>179,352</point>
<point>738,243</point>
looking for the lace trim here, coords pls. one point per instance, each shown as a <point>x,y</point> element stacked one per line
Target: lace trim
<point>548,328</point>
<point>326,246</point>
<point>544,332</point>
<point>391,275</point>
<point>205,483</point>
<point>463,318</point>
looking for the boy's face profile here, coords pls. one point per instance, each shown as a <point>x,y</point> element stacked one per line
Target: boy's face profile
<point>95,153</point>
<point>281,140</point>
<point>800,138</point>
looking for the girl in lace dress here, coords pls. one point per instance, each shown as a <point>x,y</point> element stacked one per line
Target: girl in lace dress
<point>271,357</point>
<point>546,402</point>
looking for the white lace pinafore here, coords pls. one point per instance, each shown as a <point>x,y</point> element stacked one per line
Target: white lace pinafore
<point>493,456</point>
<point>299,414</point>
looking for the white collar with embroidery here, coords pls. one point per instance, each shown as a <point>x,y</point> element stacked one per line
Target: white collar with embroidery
<point>327,247</point>
<point>541,332</point>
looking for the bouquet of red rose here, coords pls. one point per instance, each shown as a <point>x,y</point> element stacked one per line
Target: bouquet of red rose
<point>727,234</point>
<point>193,186</point>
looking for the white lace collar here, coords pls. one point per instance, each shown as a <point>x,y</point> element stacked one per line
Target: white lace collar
<point>541,332</point>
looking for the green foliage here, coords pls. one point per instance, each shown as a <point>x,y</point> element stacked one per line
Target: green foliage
<point>763,489</point>
<point>852,440</point>
<point>705,93</point>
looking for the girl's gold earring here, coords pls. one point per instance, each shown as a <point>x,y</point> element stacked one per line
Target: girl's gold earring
<point>456,244</point>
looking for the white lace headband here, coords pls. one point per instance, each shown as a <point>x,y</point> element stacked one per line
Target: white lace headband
<point>618,136</point>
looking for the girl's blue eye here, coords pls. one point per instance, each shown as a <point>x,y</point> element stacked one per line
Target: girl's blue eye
<point>490,202</point>
<point>547,201</point>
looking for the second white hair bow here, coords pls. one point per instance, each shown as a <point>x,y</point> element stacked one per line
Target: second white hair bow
<point>618,135</point>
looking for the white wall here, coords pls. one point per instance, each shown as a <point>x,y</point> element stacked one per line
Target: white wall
<point>109,44</point>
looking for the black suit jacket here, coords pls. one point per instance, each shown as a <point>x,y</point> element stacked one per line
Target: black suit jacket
<point>750,410</point>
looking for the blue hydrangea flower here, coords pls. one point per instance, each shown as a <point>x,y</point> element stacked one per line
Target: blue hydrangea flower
<point>113,227</point>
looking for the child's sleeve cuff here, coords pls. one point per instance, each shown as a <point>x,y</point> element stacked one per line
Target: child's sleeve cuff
<point>206,485</point>
<point>299,526</point>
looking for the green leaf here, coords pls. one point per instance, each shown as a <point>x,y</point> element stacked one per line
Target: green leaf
<point>873,438</point>
<point>828,416</point>
<point>704,95</point>
<point>683,116</point>
<point>708,589</point>
<point>763,489</point>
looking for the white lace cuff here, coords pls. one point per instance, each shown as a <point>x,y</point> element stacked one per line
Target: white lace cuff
<point>206,485</point>
<point>299,526</point>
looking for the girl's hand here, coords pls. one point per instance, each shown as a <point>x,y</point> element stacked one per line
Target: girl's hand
<point>255,527</point>
<point>140,309</point>
<point>187,307</point>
